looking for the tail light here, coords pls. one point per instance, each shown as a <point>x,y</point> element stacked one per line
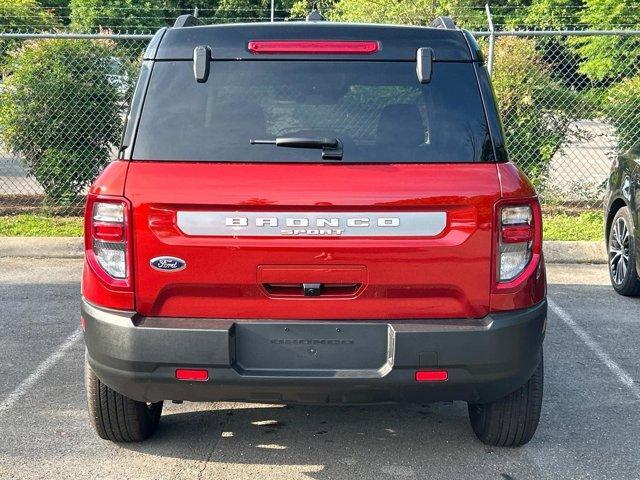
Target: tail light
<point>107,239</point>
<point>519,241</point>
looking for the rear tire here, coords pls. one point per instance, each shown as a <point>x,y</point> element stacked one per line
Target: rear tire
<point>118,418</point>
<point>621,247</point>
<point>512,420</point>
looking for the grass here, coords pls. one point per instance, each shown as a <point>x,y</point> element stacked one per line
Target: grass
<point>559,226</point>
<point>30,225</point>
<point>583,226</point>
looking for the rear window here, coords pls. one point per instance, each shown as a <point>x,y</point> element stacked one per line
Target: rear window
<point>378,110</point>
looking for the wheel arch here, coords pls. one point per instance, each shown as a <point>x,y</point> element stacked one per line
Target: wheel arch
<point>616,205</point>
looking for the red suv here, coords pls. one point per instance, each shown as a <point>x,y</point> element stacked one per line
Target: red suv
<point>317,213</point>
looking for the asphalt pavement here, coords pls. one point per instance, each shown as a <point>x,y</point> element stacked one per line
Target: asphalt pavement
<point>590,426</point>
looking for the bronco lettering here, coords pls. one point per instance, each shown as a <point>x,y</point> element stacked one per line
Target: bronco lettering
<point>311,341</point>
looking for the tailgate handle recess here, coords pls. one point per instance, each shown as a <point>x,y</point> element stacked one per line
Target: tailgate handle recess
<point>311,289</point>
<point>311,280</point>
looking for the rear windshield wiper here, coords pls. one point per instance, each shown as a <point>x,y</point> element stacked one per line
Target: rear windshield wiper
<point>331,147</point>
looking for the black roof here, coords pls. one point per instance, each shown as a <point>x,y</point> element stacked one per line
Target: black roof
<point>396,42</point>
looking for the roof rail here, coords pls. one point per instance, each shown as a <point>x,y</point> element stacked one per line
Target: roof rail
<point>186,21</point>
<point>444,22</point>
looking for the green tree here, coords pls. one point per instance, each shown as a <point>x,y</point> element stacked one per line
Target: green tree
<point>542,14</point>
<point>468,13</point>
<point>250,10</point>
<point>61,110</point>
<point>174,8</point>
<point>23,16</point>
<point>537,110</point>
<point>119,16</point>
<point>609,57</point>
<point>60,8</point>
<point>557,15</point>
<point>622,105</point>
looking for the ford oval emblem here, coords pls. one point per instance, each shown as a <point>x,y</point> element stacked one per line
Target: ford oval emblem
<point>168,264</point>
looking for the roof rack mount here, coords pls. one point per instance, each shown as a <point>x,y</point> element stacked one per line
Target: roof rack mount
<point>186,21</point>
<point>315,15</point>
<point>444,22</point>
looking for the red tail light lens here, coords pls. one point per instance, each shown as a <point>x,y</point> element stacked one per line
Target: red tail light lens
<point>108,231</point>
<point>517,233</point>
<point>352,47</point>
<point>107,242</point>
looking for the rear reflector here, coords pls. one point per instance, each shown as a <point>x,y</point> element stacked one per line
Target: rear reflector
<point>517,233</point>
<point>354,47</point>
<point>192,374</point>
<point>432,376</point>
<point>110,232</point>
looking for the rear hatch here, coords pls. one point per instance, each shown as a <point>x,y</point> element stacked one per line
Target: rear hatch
<point>399,227</point>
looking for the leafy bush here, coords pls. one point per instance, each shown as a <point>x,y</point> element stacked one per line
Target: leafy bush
<point>622,105</point>
<point>537,111</point>
<point>608,57</point>
<point>116,15</point>
<point>60,108</point>
<point>468,13</point>
<point>246,11</point>
<point>23,16</point>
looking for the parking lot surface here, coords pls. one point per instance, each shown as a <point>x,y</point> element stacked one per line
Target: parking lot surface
<point>590,426</point>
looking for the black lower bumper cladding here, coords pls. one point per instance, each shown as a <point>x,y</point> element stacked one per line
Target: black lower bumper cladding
<point>341,362</point>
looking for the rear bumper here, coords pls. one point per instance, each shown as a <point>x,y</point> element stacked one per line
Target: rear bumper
<point>295,361</point>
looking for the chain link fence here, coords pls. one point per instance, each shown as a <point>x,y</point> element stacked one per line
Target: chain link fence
<point>63,103</point>
<point>570,103</point>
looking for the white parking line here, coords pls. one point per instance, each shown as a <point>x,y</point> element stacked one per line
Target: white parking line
<point>72,339</point>
<point>617,370</point>
<point>28,382</point>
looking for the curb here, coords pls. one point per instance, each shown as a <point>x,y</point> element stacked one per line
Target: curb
<point>575,252</point>
<point>41,247</point>
<point>72,247</point>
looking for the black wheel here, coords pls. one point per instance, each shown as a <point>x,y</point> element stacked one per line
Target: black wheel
<point>512,420</point>
<point>116,417</point>
<point>622,255</point>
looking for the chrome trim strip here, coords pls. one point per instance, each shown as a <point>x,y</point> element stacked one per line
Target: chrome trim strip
<point>279,224</point>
